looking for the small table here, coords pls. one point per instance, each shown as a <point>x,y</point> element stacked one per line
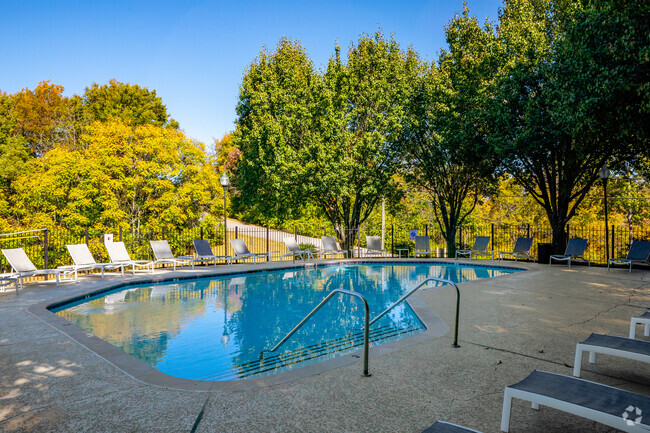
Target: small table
<point>399,252</point>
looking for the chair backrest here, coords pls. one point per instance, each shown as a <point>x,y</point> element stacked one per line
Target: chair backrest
<point>523,245</point>
<point>18,260</point>
<point>576,247</point>
<point>81,255</point>
<point>373,243</point>
<point>117,252</point>
<point>422,243</point>
<point>639,250</point>
<point>481,243</point>
<point>202,247</point>
<point>161,250</point>
<point>329,243</point>
<point>291,243</point>
<point>239,246</point>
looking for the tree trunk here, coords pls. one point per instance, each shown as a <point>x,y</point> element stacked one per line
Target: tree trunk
<point>559,235</point>
<point>450,238</point>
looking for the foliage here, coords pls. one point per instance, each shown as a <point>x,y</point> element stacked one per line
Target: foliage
<point>41,117</point>
<point>134,177</point>
<point>331,140</point>
<point>446,137</point>
<point>131,103</point>
<point>542,130</point>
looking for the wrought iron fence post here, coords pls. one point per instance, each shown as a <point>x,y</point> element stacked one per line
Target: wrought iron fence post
<point>120,233</point>
<point>613,242</point>
<point>295,233</point>
<point>492,237</point>
<point>392,240</point>
<point>236,232</point>
<point>86,235</point>
<point>201,232</point>
<point>268,233</point>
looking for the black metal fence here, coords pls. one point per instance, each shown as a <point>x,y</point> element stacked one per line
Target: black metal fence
<point>47,248</point>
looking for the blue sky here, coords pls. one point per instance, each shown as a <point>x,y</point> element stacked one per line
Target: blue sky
<point>193,53</point>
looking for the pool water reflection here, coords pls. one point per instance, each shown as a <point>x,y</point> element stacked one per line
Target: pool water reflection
<point>216,328</point>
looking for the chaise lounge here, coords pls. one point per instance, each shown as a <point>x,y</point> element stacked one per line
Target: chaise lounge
<point>118,254</point>
<point>242,252</point>
<point>643,320</point>
<point>639,254</point>
<point>330,247</point>
<point>604,404</point>
<point>84,261</point>
<point>622,347</point>
<point>520,251</point>
<point>575,250</point>
<point>480,248</point>
<point>373,246</point>
<point>22,266</point>
<point>205,254</point>
<point>422,246</point>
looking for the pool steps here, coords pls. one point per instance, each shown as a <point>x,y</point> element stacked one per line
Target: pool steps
<point>271,363</point>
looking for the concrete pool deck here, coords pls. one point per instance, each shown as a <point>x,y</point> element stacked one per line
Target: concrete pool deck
<point>509,326</point>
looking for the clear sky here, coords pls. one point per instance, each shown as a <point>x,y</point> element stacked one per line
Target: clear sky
<point>194,53</point>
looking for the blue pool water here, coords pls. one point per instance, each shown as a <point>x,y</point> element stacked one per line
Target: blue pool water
<point>216,328</point>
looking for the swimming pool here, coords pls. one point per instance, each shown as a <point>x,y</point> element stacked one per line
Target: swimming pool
<point>216,328</point>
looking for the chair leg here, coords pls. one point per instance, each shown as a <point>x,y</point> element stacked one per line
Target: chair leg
<point>505,412</point>
<point>577,363</point>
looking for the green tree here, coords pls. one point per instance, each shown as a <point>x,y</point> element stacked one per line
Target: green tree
<point>133,104</point>
<point>330,140</point>
<point>447,148</point>
<point>543,116</point>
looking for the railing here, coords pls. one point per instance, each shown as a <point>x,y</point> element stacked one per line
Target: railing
<point>366,332</point>
<point>47,247</point>
<point>422,283</point>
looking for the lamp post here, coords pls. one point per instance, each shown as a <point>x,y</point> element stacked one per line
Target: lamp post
<point>225,181</point>
<point>604,175</point>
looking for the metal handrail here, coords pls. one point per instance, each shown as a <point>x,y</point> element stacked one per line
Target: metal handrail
<point>422,283</point>
<point>366,326</point>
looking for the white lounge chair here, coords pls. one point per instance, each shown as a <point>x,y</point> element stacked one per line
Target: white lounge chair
<point>423,246</point>
<point>604,404</point>
<point>294,249</point>
<point>84,261</point>
<point>480,248</point>
<point>205,254</point>
<point>8,279</point>
<point>373,246</point>
<point>22,267</point>
<point>330,247</point>
<point>643,320</point>
<point>622,347</point>
<point>521,250</point>
<point>163,254</point>
<point>639,253</point>
<point>575,250</point>
<point>242,252</point>
<point>447,427</point>
<point>118,254</point>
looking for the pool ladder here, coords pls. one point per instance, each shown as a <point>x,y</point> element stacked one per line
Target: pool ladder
<point>367,323</point>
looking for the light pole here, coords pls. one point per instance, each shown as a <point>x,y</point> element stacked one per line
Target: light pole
<point>604,175</point>
<point>225,181</point>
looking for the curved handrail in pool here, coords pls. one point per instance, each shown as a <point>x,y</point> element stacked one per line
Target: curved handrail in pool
<point>366,326</point>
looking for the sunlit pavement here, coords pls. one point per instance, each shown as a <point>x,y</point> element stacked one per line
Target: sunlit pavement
<point>509,326</point>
